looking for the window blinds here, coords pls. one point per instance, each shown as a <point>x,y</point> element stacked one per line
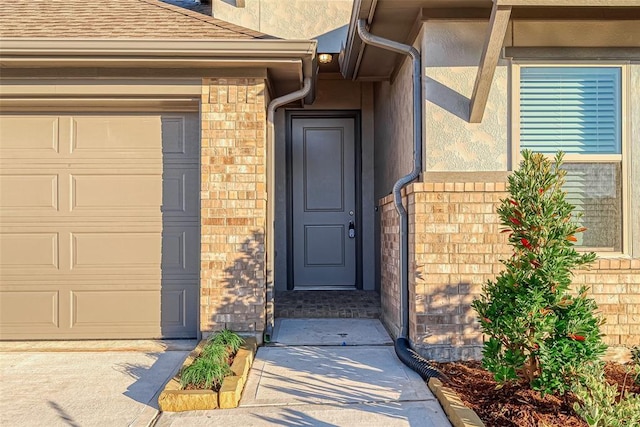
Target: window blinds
<point>573,109</point>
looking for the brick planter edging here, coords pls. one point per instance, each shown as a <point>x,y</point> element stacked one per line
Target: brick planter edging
<point>174,399</point>
<point>459,415</point>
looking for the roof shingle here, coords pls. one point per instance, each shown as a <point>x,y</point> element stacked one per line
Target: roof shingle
<point>113,19</point>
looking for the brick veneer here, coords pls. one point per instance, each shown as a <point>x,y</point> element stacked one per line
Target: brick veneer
<point>233,205</point>
<point>454,247</point>
<point>389,267</point>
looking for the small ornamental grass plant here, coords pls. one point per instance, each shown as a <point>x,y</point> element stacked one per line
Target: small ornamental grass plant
<point>538,329</point>
<point>209,369</point>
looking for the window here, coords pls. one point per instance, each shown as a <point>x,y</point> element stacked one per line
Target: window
<point>578,109</point>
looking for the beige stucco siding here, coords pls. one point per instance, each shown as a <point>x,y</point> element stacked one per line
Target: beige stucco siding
<point>451,53</point>
<point>291,19</point>
<point>393,129</point>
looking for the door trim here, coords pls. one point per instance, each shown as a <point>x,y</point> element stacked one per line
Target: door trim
<point>323,114</point>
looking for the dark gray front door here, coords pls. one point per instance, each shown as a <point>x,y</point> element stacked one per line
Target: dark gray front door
<point>324,202</point>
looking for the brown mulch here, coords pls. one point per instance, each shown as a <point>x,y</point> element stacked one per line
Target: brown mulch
<point>516,405</point>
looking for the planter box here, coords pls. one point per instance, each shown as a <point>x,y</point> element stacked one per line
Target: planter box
<point>174,399</point>
<point>459,415</point>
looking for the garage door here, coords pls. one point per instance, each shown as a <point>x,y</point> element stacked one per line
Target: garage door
<point>99,226</point>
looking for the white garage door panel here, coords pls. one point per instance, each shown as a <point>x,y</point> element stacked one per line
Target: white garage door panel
<point>40,309</point>
<point>177,300</point>
<point>113,249</point>
<point>34,191</point>
<point>179,249</point>
<point>178,130</point>
<point>29,250</point>
<point>24,138</point>
<point>136,134</point>
<point>116,191</point>
<point>115,307</point>
<point>99,230</point>
<point>177,180</point>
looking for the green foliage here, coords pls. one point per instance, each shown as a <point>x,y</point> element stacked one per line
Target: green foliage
<point>635,364</point>
<point>205,374</point>
<point>537,329</point>
<point>210,368</point>
<point>228,338</point>
<point>598,403</point>
<point>215,352</point>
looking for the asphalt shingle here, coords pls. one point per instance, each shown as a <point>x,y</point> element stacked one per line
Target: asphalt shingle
<point>113,19</point>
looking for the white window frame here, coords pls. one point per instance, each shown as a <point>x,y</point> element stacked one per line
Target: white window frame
<point>624,158</point>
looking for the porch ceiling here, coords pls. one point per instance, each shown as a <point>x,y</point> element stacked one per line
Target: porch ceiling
<point>400,20</point>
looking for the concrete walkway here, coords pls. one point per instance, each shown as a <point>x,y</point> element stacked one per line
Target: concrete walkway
<point>326,372</point>
<point>85,383</point>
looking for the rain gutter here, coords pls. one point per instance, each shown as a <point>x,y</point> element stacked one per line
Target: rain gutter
<point>405,353</point>
<point>271,111</point>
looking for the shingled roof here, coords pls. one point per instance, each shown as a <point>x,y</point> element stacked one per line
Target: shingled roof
<point>112,19</point>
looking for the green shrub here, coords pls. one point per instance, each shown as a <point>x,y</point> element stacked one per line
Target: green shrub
<point>215,352</point>
<point>597,402</point>
<point>537,329</point>
<point>635,364</point>
<point>228,338</point>
<point>210,368</point>
<point>205,374</point>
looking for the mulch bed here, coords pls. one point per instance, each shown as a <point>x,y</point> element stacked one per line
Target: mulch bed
<point>516,405</point>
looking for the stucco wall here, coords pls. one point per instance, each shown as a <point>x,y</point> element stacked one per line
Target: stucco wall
<point>325,20</point>
<point>393,107</point>
<point>451,52</point>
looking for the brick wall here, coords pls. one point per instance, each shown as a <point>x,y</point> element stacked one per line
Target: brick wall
<point>389,265</point>
<point>455,247</point>
<point>233,205</point>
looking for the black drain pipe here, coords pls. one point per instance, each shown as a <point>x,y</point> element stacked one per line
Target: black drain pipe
<point>405,353</point>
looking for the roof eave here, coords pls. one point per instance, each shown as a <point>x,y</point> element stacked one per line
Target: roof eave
<point>373,11</point>
<point>161,53</point>
<point>12,49</point>
<point>350,55</point>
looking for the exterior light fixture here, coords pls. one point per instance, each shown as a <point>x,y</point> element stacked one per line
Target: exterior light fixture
<point>325,58</point>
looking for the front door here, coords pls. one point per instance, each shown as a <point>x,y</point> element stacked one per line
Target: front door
<point>324,227</point>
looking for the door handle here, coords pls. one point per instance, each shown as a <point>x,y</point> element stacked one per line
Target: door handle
<point>352,230</point>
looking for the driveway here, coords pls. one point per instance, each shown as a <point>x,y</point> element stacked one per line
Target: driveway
<point>76,384</point>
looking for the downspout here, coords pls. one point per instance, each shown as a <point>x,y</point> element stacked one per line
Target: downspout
<point>271,111</point>
<point>402,345</point>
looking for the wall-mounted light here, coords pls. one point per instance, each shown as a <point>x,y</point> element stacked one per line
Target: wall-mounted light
<point>325,58</point>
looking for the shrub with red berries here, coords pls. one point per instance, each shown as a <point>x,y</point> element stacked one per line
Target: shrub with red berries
<point>538,328</point>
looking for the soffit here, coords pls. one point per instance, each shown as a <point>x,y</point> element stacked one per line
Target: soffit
<point>400,20</point>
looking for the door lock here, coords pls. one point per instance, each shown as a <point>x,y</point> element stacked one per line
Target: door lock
<point>352,230</point>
